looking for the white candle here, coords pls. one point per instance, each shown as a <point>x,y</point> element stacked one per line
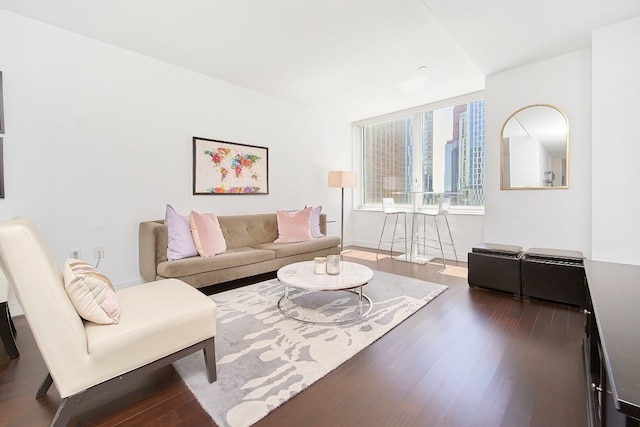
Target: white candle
<point>333,264</point>
<point>320,265</point>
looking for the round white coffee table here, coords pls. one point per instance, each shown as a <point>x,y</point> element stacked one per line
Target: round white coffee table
<point>302,278</point>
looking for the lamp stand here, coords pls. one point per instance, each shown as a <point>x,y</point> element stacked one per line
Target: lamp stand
<point>342,179</point>
<point>342,222</point>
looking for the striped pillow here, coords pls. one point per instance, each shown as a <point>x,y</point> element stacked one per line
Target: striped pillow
<point>91,293</point>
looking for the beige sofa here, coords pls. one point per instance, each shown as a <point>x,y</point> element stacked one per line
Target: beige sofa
<point>250,251</point>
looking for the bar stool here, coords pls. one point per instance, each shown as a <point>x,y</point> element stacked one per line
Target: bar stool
<point>7,328</point>
<point>388,207</point>
<point>443,208</point>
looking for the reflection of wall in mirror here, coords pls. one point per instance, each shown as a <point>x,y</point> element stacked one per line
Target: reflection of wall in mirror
<point>523,171</point>
<point>506,165</point>
<point>556,172</point>
<point>534,144</point>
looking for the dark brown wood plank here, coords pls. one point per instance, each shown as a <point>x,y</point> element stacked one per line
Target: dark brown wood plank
<point>472,358</point>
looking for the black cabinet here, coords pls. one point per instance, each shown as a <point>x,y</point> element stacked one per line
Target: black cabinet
<point>497,267</point>
<point>555,275</point>
<point>612,345</point>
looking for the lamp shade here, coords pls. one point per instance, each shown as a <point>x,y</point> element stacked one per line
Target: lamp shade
<point>342,179</point>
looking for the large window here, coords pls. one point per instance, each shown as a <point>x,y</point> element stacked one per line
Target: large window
<point>433,151</point>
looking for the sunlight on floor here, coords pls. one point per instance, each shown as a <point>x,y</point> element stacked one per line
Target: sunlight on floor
<point>367,256</point>
<point>455,271</point>
<point>450,270</point>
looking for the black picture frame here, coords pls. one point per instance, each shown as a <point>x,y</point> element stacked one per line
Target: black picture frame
<point>223,167</point>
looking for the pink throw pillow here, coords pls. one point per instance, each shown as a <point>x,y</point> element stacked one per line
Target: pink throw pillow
<point>207,234</point>
<point>315,221</point>
<point>294,226</point>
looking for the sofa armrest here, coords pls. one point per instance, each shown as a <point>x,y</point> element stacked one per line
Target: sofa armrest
<point>152,249</point>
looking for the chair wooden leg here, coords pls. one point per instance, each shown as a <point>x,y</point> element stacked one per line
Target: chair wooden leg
<point>7,331</point>
<point>14,332</point>
<point>44,387</point>
<point>70,403</point>
<point>210,359</point>
<point>66,410</point>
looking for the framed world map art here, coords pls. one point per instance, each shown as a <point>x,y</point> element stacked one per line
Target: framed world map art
<point>221,167</point>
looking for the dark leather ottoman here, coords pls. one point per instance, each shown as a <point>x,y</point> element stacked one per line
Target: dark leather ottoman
<point>497,267</point>
<point>555,275</point>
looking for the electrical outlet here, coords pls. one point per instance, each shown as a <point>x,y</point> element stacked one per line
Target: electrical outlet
<point>74,253</point>
<point>98,252</point>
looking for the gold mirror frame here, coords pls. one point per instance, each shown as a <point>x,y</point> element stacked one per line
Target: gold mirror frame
<point>545,128</point>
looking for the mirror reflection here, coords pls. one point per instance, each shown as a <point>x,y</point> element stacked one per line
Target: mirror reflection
<point>534,148</point>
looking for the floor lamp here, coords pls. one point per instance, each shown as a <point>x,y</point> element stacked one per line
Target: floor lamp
<point>342,179</point>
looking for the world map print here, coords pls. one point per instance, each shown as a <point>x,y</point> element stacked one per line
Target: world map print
<point>226,168</point>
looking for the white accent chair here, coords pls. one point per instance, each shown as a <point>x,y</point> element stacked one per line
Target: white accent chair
<point>389,208</point>
<point>7,329</point>
<point>160,322</point>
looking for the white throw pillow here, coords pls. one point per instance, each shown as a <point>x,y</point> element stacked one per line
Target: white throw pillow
<point>91,292</point>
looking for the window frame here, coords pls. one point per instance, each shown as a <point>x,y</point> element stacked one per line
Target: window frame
<point>358,149</point>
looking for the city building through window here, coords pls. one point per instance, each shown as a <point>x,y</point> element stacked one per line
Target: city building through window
<point>424,155</point>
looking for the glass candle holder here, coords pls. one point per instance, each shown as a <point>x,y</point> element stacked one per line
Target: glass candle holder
<point>333,264</point>
<point>320,265</point>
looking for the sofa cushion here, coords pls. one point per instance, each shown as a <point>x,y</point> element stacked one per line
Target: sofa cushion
<point>231,258</point>
<point>297,248</point>
<point>91,292</point>
<point>207,234</point>
<point>179,238</point>
<point>294,226</point>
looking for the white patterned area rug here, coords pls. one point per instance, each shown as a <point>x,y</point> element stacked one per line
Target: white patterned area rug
<point>264,359</point>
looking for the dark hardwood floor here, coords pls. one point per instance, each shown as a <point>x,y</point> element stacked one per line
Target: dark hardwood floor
<point>470,358</point>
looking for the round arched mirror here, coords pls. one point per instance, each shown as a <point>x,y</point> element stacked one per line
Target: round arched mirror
<point>534,149</point>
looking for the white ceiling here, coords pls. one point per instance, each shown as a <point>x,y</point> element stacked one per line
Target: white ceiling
<point>348,58</point>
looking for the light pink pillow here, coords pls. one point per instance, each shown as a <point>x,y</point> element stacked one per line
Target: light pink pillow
<point>207,234</point>
<point>180,240</point>
<point>315,221</point>
<point>294,226</point>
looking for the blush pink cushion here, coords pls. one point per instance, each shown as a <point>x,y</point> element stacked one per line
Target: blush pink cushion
<point>315,221</point>
<point>91,293</point>
<point>294,226</point>
<point>207,234</point>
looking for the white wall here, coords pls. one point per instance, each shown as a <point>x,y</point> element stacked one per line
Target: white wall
<point>559,218</point>
<point>99,138</point>
<point>616,145</point>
